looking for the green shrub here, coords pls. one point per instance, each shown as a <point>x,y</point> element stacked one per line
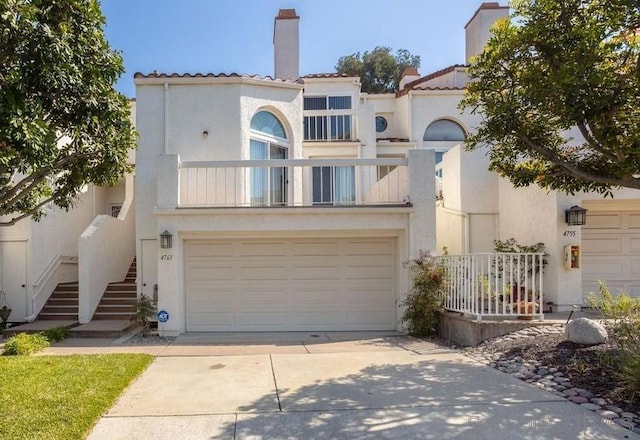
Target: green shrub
<point>622,313</point>
<point>25,344</point>
<point>56,334</point>
<point>145,310</point>
<point>424,303</point>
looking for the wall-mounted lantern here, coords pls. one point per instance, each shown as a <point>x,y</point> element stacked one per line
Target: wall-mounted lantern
<point>576,216</point>
<point>166,240</point>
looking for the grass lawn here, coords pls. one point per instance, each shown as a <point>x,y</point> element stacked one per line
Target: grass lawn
<point>61,397</point>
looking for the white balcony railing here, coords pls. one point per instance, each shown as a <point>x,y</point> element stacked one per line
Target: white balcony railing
<point>300,182</point>
<point>495,285</point>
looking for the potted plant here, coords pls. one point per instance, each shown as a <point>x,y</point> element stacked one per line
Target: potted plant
<point>5,310</point>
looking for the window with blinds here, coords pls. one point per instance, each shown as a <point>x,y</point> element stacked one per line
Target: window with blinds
<point>325,124</point>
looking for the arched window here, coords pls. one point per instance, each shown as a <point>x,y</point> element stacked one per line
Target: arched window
<point>268,141</point>
<point>444,130</point>
<point>266,123</point>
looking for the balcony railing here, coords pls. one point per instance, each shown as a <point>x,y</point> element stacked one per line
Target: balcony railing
<point>495,285</point>
<point>299,182</point>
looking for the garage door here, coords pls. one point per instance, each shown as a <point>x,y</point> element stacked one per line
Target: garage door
<point>290,284</point>
<point>611,251</point>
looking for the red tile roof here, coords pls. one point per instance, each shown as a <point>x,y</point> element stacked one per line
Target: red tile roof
<point>327,75</point>
<point>156,74</point>
<point>417,82</point>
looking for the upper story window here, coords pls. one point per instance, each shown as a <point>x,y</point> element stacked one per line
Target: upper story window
<point>328,118</point>
<point>268,186</point>
<point>444,130</point>
<point>266,123</point>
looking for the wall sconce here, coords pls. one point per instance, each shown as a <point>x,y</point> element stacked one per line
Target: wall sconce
<point>576,216</point>
<point>166,240</point>
<point>205,134</point>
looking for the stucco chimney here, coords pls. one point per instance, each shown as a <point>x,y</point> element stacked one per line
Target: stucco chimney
<point>285,45</point>
<point>477,29</point>
<point>409,74</point>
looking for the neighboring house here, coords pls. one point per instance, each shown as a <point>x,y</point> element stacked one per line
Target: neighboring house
<point>92,242</point>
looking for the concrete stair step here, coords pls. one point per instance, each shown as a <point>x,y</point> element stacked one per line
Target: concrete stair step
<point>116,308</point>
<point>113,316</point>
<point>57,316</point>
<point>59,309</point>
<point>62,301</point>
<point>103,329</point>
<point>64,295</point>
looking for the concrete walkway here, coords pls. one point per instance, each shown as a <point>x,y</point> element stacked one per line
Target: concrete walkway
<point>331,386</point>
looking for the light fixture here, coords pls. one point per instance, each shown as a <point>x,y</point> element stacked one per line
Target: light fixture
<point>166,240</point>
<point>576,216</point>
<point>205,134</point>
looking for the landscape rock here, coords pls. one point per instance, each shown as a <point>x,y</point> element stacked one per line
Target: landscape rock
<point>585,331</point>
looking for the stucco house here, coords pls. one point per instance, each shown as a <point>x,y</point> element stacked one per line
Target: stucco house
<point>291,202</point>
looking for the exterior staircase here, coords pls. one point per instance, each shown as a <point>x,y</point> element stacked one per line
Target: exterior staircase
<point>119,299</point>
<point>62,305</point>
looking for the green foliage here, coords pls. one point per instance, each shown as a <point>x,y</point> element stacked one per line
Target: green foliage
<point>379,70</point>
<point>62,124</point>
<point>62,397</point>
<point>558,65</point>
<point>511,245</point>
<point>523,266</point>
<point>56,334</point>
<point>145,310</point>
<point>623,327</point>
<point>424,303</point>
<point>25,344</point>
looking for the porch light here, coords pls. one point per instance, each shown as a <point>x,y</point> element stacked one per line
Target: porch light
<point>166,240</point>
<point>576,216</point>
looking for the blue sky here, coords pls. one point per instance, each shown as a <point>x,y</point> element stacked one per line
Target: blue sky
<point>236,35</point>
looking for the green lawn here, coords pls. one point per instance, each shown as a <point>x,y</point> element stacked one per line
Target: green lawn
<point>61,397</point>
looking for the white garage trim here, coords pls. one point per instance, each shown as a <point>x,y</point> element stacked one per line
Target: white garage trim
<point>290,284</point>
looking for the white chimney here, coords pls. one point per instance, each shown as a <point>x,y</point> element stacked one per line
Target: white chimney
<point>285,45</point>
<point>477,29</point>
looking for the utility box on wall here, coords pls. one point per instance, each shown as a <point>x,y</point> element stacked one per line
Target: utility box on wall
<point>572,256</point>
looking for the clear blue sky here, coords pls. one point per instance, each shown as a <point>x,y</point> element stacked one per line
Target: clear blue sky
<point>225,36</point>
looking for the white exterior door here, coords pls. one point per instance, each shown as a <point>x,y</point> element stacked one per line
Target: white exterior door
<point>149,266</point>
<point>13,277</point>
<point>611,251</point>
<point>290,284</point>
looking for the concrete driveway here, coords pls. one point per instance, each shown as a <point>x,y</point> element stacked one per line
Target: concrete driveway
<point>335,386</point>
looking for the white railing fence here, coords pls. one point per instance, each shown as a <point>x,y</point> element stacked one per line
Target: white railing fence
<point>298,182</point>
<point>498,284</point>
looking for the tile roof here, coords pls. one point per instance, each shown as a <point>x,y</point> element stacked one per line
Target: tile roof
<point>327,75</point>
<point>414,84</point>
<point>156,74</point>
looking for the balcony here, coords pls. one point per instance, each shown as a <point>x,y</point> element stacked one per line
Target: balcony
<point>293,183</point>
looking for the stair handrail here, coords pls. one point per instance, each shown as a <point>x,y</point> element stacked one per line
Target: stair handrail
<point>46,276</point>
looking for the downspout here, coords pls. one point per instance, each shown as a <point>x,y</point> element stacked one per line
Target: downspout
<point>166,118</point>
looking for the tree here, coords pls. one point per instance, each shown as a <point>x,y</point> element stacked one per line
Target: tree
<point>62,124</point>
<point>379,70</point>
<point>560,66</point>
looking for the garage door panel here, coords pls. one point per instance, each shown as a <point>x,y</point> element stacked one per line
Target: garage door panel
<point>315,249</point>
<point>195,249</point>
<point>263,272</point>
<point>316,271</point>
<point>634,221</point>
<point>368,248</point>
<point>369,272</point>
<point>634,243</point>
<point>262,249</point>
<point>603,244</point>
<point>262,296</point>
<point>292,284</point>
<point>610,220</point>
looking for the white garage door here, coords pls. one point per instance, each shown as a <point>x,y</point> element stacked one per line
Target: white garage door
<point>290,284</point>
<point>611,251</point>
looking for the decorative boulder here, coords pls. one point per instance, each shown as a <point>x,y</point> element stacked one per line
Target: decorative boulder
<point>585,331</point>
